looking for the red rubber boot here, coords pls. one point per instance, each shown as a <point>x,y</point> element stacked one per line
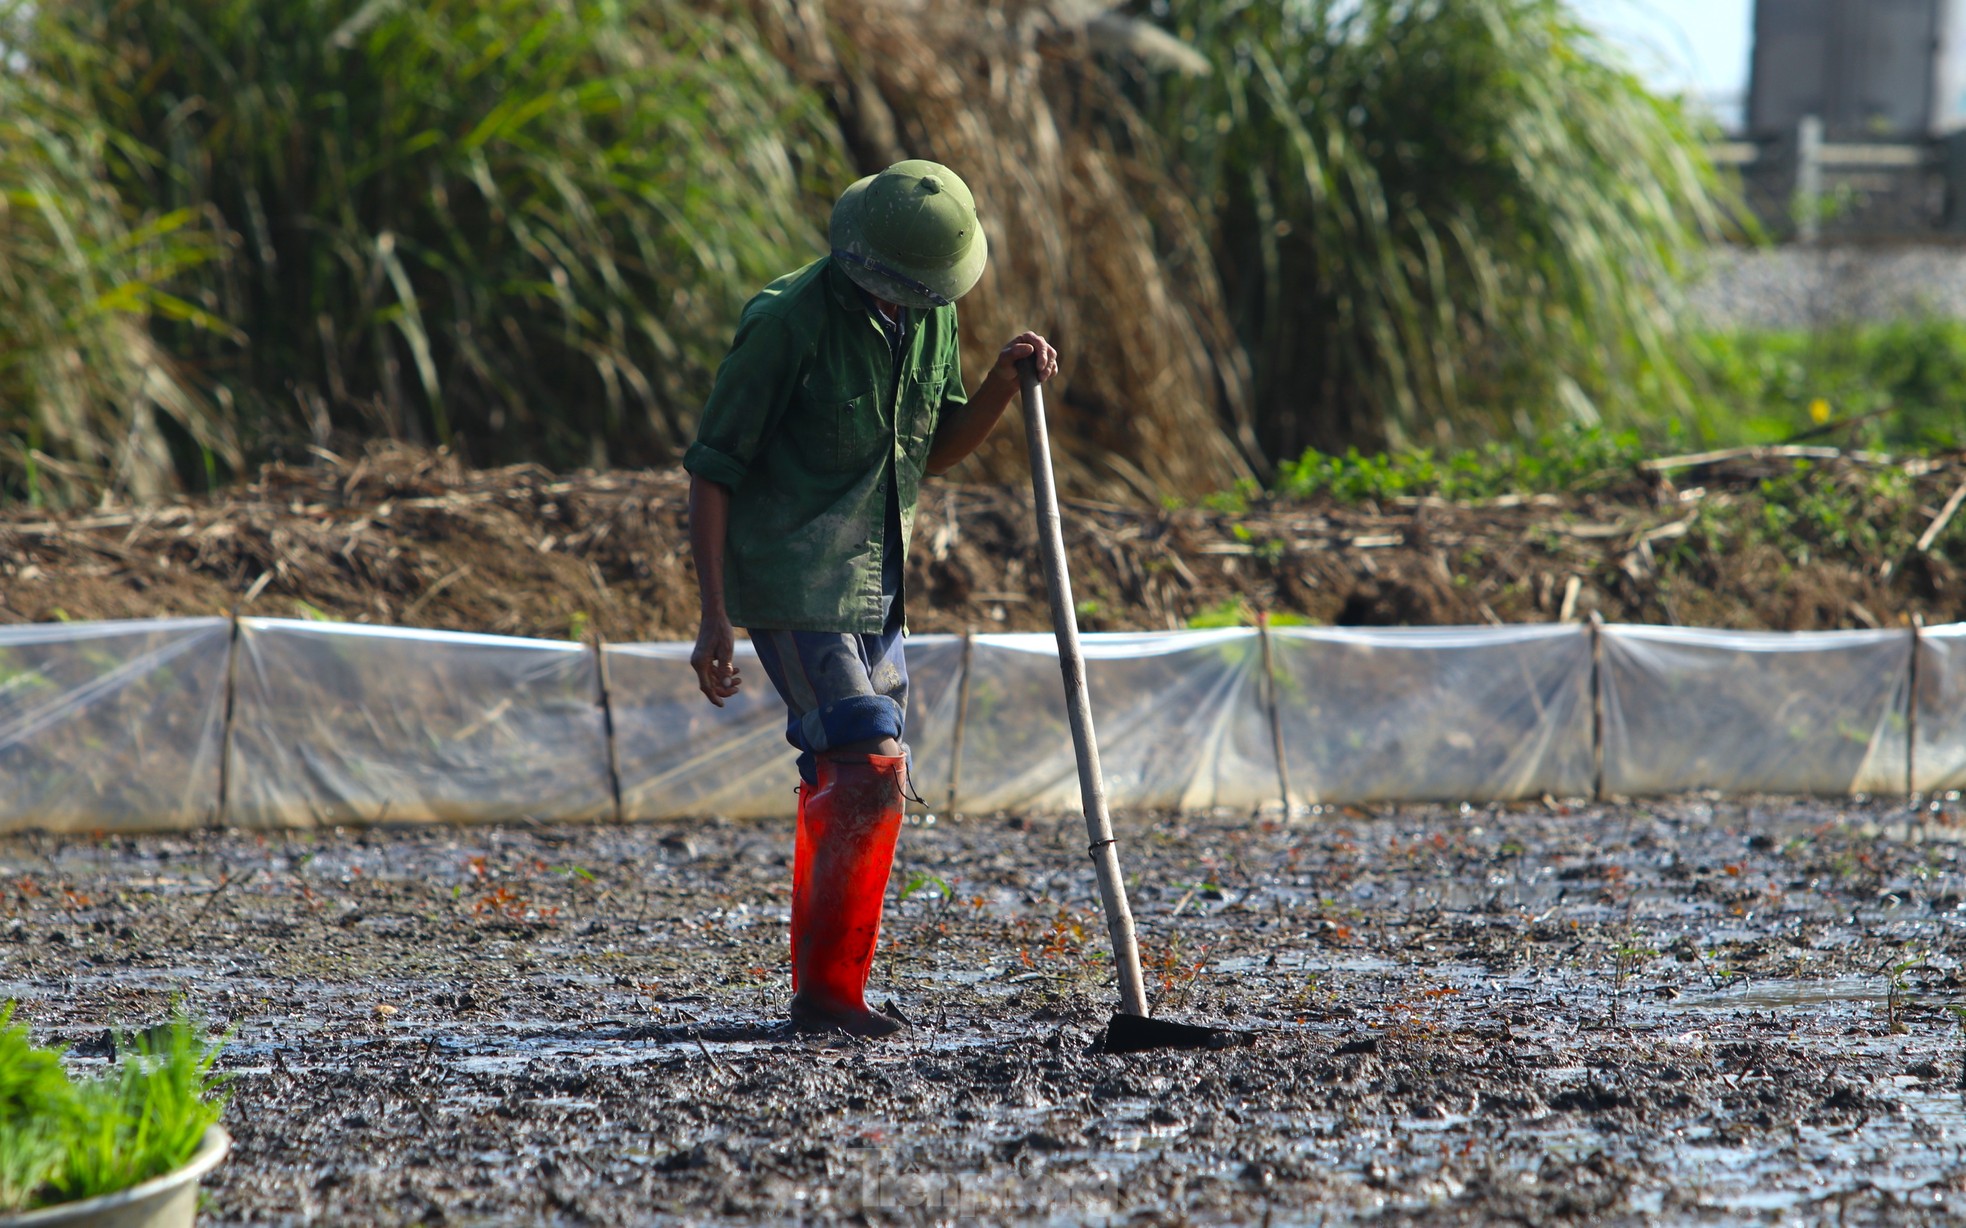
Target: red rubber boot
<point>840,862</point>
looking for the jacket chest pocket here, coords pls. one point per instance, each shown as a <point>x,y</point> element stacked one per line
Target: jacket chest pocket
<point>924,402</point>
<point>840,433</point>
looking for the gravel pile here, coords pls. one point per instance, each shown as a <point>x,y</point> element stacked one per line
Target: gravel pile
<point>1798,287</point>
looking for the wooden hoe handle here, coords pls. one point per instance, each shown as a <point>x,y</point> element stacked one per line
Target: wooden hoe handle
<point>1078,705</point>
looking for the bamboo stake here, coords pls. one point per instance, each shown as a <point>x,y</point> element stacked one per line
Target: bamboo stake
<point>1276,718</point>
<point>962,723</point>
<point>1911,716</point>
<point>600,649</point>
<point>1103,848</point>
<point>225,723</point>
<point>1597,706</point>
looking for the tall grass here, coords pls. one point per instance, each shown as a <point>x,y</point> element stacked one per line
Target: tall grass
<point>519,225</point>
<point>525,227</point>
<point>86,394</point>
<point>1438,219</point>
<point>62,1140</point>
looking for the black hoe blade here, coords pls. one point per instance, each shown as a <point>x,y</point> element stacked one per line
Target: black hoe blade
<point>1138,1033</point>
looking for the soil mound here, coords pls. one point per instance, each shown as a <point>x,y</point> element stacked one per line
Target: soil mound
<point>414,538</point>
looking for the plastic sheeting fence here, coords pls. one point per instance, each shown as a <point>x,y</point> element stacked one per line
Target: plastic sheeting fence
<point>112,725</point>
<point>270,723</point>
<point>335,723</point>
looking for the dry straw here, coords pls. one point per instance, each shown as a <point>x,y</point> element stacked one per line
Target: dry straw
<point>1091,241</point>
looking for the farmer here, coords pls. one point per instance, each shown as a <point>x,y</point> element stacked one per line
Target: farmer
<point>842,388</point>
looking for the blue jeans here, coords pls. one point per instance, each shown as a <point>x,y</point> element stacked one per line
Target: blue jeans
<point>838,687</point>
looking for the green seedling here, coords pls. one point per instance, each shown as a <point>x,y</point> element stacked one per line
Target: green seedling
<point>1899,987</point>
<point>1631,957</point>
<point>924,881</point>
<point>1717,974</point>
<point>33,1087</point>
<point>62,1140</point>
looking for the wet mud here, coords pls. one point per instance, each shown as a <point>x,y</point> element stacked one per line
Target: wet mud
<point>1687,1012</point>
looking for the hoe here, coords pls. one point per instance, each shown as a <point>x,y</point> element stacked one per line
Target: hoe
<point>1131,1028</point>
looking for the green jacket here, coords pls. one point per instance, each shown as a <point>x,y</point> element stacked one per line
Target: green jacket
<point>809,420</point>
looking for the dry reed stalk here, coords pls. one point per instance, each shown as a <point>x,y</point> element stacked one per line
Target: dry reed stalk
<point>1090,242</point>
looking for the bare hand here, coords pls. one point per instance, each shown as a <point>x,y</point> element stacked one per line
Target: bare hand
<point>1027,345</point>
<point>716,672</point>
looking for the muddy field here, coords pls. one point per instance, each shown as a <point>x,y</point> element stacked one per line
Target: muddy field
<point>1688,1012</point>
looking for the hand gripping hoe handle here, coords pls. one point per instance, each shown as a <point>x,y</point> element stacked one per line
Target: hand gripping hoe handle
<point>1064,620</point>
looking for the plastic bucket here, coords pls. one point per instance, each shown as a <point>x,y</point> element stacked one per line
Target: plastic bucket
<point>169,1201</point>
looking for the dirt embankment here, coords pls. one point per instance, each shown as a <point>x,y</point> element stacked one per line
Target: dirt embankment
<point>415,539</point>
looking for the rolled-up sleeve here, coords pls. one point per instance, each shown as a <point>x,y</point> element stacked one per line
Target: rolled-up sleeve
<point>953,394</point>
<point>754,386</point>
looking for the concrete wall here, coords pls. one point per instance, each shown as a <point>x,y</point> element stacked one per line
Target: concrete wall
<point>1868,68</point>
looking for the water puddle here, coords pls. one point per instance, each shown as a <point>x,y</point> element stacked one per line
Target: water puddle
<point>1762,995</point>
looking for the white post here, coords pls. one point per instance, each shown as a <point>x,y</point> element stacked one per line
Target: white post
<point>1809,180</point>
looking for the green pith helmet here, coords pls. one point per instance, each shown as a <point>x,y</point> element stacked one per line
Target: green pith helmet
<point>910,235</point>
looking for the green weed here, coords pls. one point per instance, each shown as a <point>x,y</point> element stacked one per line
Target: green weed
<point>1894,386</point>
<point>1234,612</point>
<point>1235,500</point>
<point>1573,459</point>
